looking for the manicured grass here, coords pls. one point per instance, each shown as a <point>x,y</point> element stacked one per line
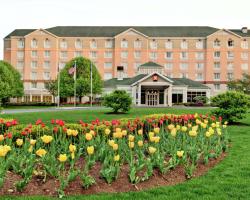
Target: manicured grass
<point>228,180</point>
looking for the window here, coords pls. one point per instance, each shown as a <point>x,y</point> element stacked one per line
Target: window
<point>33,64</point>
<point>230,55</point>
<point>217,65</point>
<point>230,65</point>
<point>107,76</point>
<point>62,65</point>
<point>191,95</point>
<point>93,44</point>
<point>34,43</point>
<point>33,85</point>
<point>46,54</point>
<point>20,64</point>
<point>169,44</point>
<point>153,55</point>
<point>93,54</point>
<point>244,66</point>
<point>244,55</point>
<point>20,54</point>
<point>183,75</point>
<point>230,76</point>
<point>47,43</point>
<point>216,76</point>
<point>33,75</point>
<point>169,55</point>
<point>184,55</point>
<point>170,75</point>
<point>199,44</point>
<point>199,66</point>
<point>108,65</point>
<point>137,54</point>
<point>137,65</point>
<point>63,44</point>
<point>124,43</point>
<point>20,43</point>
<point>153,44</point>
<point>108,54</point>
<point>108,44</point>
<point>216,86</point>
<point>199,55</point>
<point>63,54</point>
<point>33,54</point>
<point>125,66</point>
<point>78,44</point>
<point>46,75</point>
<point>137,44</point>
<point>184,66</point>
<point>184,44</point>
<point>46,64</point>
<point>199,76</point>
<point>244,44</point>
<point>124,54</point>
<point>230,43</point>
<point>78,53</point>
<point>217,54</point>
<point>169,66</point>
<point>216,43</point>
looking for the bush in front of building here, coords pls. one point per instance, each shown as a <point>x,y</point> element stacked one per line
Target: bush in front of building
<point>8,104</point>
<point>118,100</point>
<point>232,105</point>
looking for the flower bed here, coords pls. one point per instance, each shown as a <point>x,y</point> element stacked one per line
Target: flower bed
<point>67,153</point>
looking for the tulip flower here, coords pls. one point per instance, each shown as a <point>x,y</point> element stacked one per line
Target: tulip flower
<point>62,157</point>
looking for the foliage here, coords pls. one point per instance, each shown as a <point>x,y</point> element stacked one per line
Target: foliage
<point>10,82</point>
<point>118,100</point>
<point>241,85</point>
<point>52,86</point>
<point>231,105</point>
<point>201,99</point>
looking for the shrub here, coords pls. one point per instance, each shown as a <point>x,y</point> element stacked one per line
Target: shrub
<point>118,100</point>
<point>232,105</point>
<point>201,99</point>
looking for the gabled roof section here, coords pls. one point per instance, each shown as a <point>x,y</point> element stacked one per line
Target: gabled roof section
<point>150,64</point>
<point>190,83</point>
<point>43,30</point>
<point>239,32</point>
<point>226,30</point>
<point>20,32</point>
<point>131,29</point>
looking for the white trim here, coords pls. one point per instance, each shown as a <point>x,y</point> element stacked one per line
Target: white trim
<point>226,30</point>
<point>131,29</point>
<point>41,30</point>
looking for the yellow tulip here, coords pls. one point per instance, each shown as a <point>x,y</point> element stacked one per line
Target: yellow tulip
<point>184,129</point>
<point>178,127</point>
<point>151,134</point>
<point>224,126</point>
<point>195,128</point>
<point>117,134</point>
<point>211,130</point>
<point>30,149</point>
<point>180,154</point>
<point>115,147</point>
<point>19,142</point>
<point>41,152</point>
<point>189,125</point>
<point>203,125</point>
<point>156,139</point>
<point>197,121</point>
<point>118,130</point>
<point>117,158</point>
<point>74,132</point>
<point>62,157</point>
<point>111,143</point>
<point>151,150</point>
<point>208,134</point>
<point>140,143</point>
<point>4,150</point>
<point>124,132</point>
<point>206,121</point>
<point>72,148</point>
<point>192,133</point>
<point>47,139</point>
<point>225,122</point>
<point>196,115</point>
<point>131,145</point>
<point>170,126</point>
<point>107,131</point>
<point>1,138</point>
<point>156,130</point>
<point>72,155</point>
<point>32,142</point>
<point>140,132</point>
<point>90,150</point>
<point>69,132</point>
<point>131,138</point>
<point>92,132</point>
<point>213,125</point>
<point>173,132</point>
<point>88,136</point>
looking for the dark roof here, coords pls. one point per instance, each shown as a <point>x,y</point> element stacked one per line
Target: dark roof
<point>190,83</point>
<point>239,32</point>
<point>20,32</point>
<point>150,64</point>
<point>111,31</point>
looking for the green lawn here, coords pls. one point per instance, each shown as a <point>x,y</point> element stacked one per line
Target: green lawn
<point>228,180</point>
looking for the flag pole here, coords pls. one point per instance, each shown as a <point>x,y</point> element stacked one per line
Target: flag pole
<point>58,86</point>
<point>75,85</point>
<point>91,84</point>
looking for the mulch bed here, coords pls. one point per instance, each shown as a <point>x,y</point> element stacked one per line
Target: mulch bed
<point>122,184</point>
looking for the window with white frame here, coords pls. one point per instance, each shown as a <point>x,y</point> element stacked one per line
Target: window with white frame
<point>125,65</point>
<point>184,66</point>
<point>20,64</point>
<point>244,66</point>
<point>244,55</point>
<point>184,55</point>
<point>93,44</point>
<point>63,44</point>
<point>108,54</point>
<point>107,76</point>
<point>230,65</point>
<point>199,55</point>
<point>217,65</point>
<point>137,54</point>
<point>47,54</point>
<point>46,64</point>
<point>47,43</point>
<point>20,54</point>
<point>153,55</point>
<point>169,66</point>
<point>216,43</point>
<point>33,53</point>
<point>169,44</point>
<point>20,43</point>
<point>33,85</point>
<point>46,75</point>
<point>230,55</point>
<point>34,43</point>
<point>244,44</point>
<point>108,44</point>
<point>199,76</point>
<point>108,65</point>
<point>93,54</point>
<point>78,54</point>
<point>63,54</point>
<point>199,44</point>
<point>124,54</point>
<point>199,66</point>
<point>230,76</point>
<point>137,65</point>
<point>33,64</point>
<point>33,75</point>
<point>153,44</point>
<point>124,43</point>
<point>230,43</point>
<point>137,44</point>
<point>216,76</point>
<point>62,65</point>
<point>216,86</point>
<point>217,54</point>
<point>169,55</point>
<point>78,44</point>
<point>184,44</point>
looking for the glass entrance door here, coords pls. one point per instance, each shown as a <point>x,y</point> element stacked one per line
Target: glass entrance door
<point>152,97</point>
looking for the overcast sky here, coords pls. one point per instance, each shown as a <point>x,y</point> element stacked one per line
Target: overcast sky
<point>47,13</point>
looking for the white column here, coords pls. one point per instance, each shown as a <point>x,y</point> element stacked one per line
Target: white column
<point>184,100</point>
<point>41,97</point>
<point>208,95</point>
<point>30,97</point>
<point>165,96</point>
<point>139,94</point>
<point>170,95</point>
<point>133,94</point>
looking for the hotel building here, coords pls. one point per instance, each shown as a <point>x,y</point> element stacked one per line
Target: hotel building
<point>203,54</point>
